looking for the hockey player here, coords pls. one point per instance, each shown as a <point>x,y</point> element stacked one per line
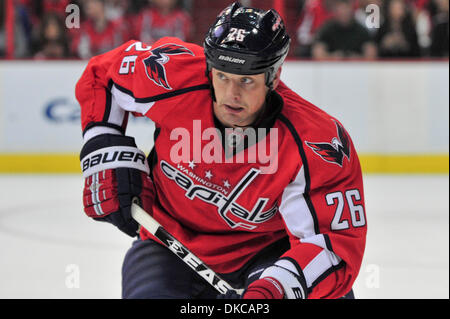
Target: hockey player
<point>288,225</point>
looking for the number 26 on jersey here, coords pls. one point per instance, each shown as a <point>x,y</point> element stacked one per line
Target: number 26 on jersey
<point>349,198</point>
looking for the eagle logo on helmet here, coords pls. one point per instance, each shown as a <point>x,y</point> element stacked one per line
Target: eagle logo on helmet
<point>335,151</point>
<point>154,64</point>
<point>277,23</point>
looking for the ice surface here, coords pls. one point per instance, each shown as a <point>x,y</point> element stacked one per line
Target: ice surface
<point>50,249</point>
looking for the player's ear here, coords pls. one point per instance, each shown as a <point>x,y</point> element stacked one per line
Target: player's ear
<point>276,80</point>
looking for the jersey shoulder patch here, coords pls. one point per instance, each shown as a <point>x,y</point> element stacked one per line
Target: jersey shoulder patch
<point>335,150</point>
<point>155,63</point>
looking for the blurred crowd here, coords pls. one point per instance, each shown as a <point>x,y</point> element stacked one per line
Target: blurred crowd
<point>47,29</point>
<point>367,29</point>
<point>320,29</point>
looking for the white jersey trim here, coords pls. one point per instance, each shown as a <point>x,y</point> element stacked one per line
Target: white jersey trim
<point>299,221</point>
<point>322,263</point>
<point>99,130</point>
<point>295,210</point>
<point>128,102</point>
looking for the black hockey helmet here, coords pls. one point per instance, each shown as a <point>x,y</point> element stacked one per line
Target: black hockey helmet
<point>247,41</point>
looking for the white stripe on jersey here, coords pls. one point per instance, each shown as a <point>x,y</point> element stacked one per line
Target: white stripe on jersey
<point>128,103</point>
<point>299,221</point>
<point>117,114</point>
<point>294,209</point>
<point>319,265</point>
<point>98,130</point>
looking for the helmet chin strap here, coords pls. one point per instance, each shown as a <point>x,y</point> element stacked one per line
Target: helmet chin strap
<point>270,78</point>
<point>208,75</point>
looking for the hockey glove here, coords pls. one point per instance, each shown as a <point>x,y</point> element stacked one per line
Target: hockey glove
<point>115,171</point>
<point>264,288</point>
<point>281,280</point>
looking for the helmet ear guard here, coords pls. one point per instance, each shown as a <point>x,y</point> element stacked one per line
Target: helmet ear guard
<point>247,41</point>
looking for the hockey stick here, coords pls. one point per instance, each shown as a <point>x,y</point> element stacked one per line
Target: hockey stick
<point>150,224</point>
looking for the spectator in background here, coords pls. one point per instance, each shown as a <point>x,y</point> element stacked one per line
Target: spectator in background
<point>397,36</point>
<point>37,9</point>
<point>54,6</point>
<point>343,37</point>
<point>97,34</point>
<point>52,41</point>
<point>314,14</point>
<point>163,18</point>
<point>116,9</point>
<point>21,37</point>
<point>440,31</point>
<point>2,32</point>
<point>421,14</point>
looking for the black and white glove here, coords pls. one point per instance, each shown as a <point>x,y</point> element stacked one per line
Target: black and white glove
<point>115,172</point>
<point>281,280</point>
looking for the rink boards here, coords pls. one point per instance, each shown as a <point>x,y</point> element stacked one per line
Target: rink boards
<point>396,113</point>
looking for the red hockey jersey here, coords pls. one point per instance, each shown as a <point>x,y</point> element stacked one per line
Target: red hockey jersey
<point>223,208</point>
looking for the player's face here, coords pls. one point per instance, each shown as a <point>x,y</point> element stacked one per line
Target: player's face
<point>239,98</point>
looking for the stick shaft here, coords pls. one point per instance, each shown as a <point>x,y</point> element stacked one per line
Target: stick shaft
<point>195,263</point>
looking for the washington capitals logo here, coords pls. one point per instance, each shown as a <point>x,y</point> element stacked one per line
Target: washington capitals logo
<point>154,64</point>
<point>335,151</point>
